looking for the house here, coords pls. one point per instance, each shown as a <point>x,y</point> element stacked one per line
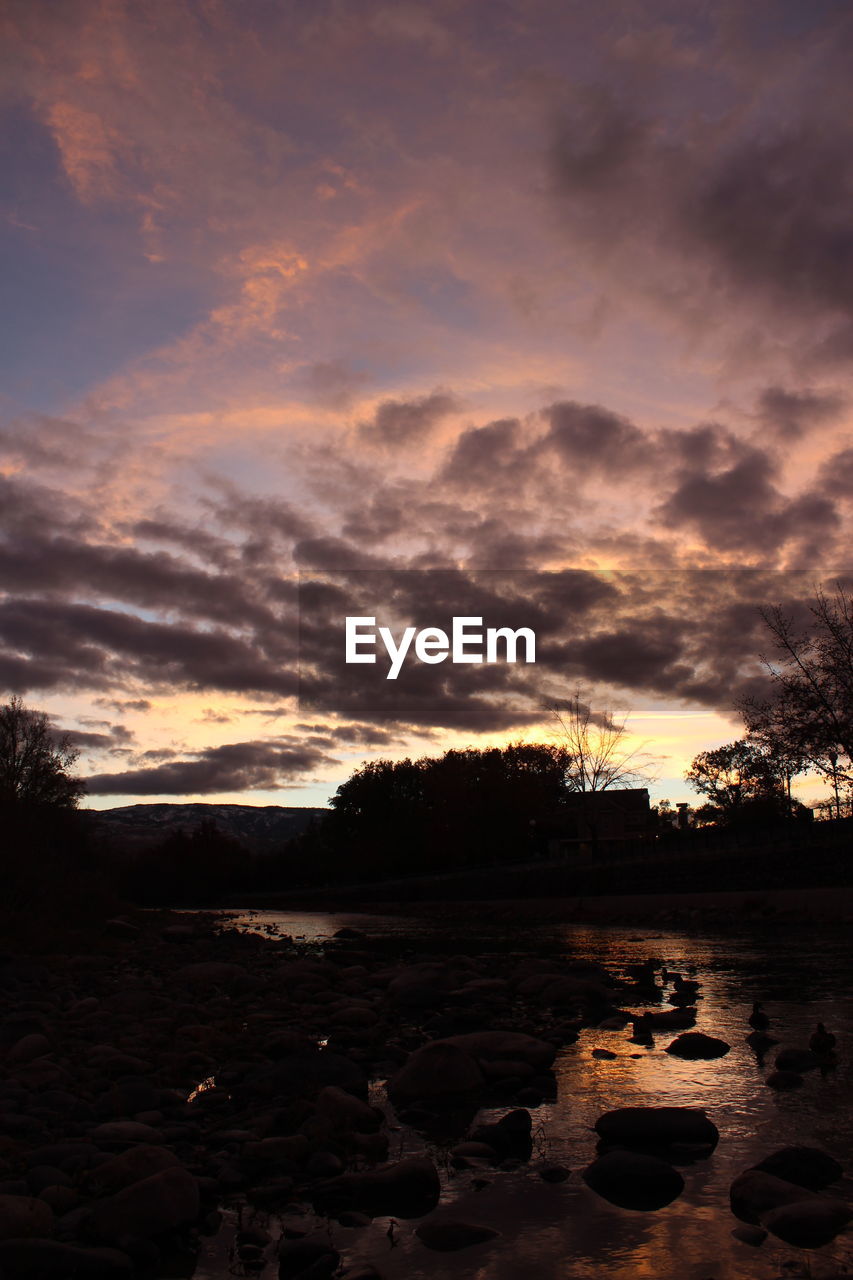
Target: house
<point>604,820</point>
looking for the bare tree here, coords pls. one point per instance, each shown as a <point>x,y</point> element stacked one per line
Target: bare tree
<point>597,756</point>
<point>34,764</point>
<point>809,718</point>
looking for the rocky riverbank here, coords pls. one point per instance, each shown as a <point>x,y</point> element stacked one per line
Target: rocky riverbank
<point>175,1069</point>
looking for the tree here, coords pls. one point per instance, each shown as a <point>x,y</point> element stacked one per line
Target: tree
<point>808,719</point>
<point>738,778</point>
<point>597,757</point>
<point>34,764</point>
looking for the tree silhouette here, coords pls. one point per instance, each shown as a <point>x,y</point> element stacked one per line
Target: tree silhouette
<point>34,764</point>
<point>808,720</point>
<point>597,758</point>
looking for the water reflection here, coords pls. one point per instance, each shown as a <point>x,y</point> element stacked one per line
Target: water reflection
<point>554,1231</point>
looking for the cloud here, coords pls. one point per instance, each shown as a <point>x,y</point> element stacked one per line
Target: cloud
<point>403,423</point>
<point>237,766</point>
<point>739,509</point>
<point>588,438</point>
<point>789,414</point>
<point>836,474</point>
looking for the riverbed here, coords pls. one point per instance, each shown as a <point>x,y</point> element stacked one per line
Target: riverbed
<point>554,1231</point>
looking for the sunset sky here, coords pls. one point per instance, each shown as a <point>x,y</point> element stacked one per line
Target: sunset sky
<point>524,309</point>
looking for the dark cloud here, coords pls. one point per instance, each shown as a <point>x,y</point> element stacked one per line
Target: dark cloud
<point>836,474</point>
<point>236,766</point>
<point>733,204</point>
<point>400,423</point>
<point>590,438</point>
<point>791,413</point>
<point>740,510</point>
<point>486,457</point>
<point>101,647</point>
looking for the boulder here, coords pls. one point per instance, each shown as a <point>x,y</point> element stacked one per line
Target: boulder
<point>132,1166</point>
<point>694,1045</point>
<point>754,1193</point>
<point>52,1260</point>
<point>808,1223</point>
<point>24,1216</point>
<point>345,1112</point>
<point>634,1181</point>
<point>805,1166</point>
<point>509,1136</point>
<point>450,1234</point>
<point>124,1133</point>
<point>798,1060</point>
<point>491,1045</point>
<point>210,973</point>
<point>314,1258</point>
<point>27,1048</point>
<point>408,1189</point>
<point>436,1071</point>
<point>673,1019</point>
<point>167,1199</point>
<point>657,1127</point>
<point>754,1236</point>
<point>783,1081</point>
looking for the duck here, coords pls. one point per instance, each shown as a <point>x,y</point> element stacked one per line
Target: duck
<point>643,1030</point>
<point>822,1041</point>
<point>758,1019</point>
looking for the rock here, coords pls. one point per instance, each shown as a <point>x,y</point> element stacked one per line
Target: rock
<point>492,1045</point>
<point>654,1127</point>
<point>124,1133</point>
<point>120,928</point>
<point>694,1045</point>
<point>605,1054</point>
<point>127,1098</point>
<point>474,1151</point>
<point>805,1166</point>
<point>27,1048</point>
<point>754,1236</point>
<point>509,1136</point>
<point>450,1234</point>
<point>316,1258</point>
<point>162,1201</point>
<point>634,1181</point>
<point>210,973</point>
<point>407,1189</point>
<point>45,1175</point>
<point>436,1071</point>
<point>178,933</point>
<point>345,1112</point>
<point>783,1081</point>
<point>61,1199</point>
<point>808,1223</point>
<point>24,1216</point>
<point>798,1060</point>
<point>290,1148</point>
<point>672,1019</point>
<point>132,1166</point>
<point>51,1260</point>
<point>554,1173</point>
<point>324,1164</point>
<point>754,1193</point>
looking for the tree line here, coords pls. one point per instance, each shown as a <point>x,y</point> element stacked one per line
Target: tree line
<point>465,808</point>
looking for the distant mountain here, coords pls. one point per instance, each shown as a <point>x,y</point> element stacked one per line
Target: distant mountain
<point>260,828</point>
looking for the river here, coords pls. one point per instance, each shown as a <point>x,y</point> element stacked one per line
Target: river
<point>556,1231</point>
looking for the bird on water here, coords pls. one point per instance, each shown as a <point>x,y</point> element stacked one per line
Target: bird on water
<point>758,1019</point>
<point>822,1041</point>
